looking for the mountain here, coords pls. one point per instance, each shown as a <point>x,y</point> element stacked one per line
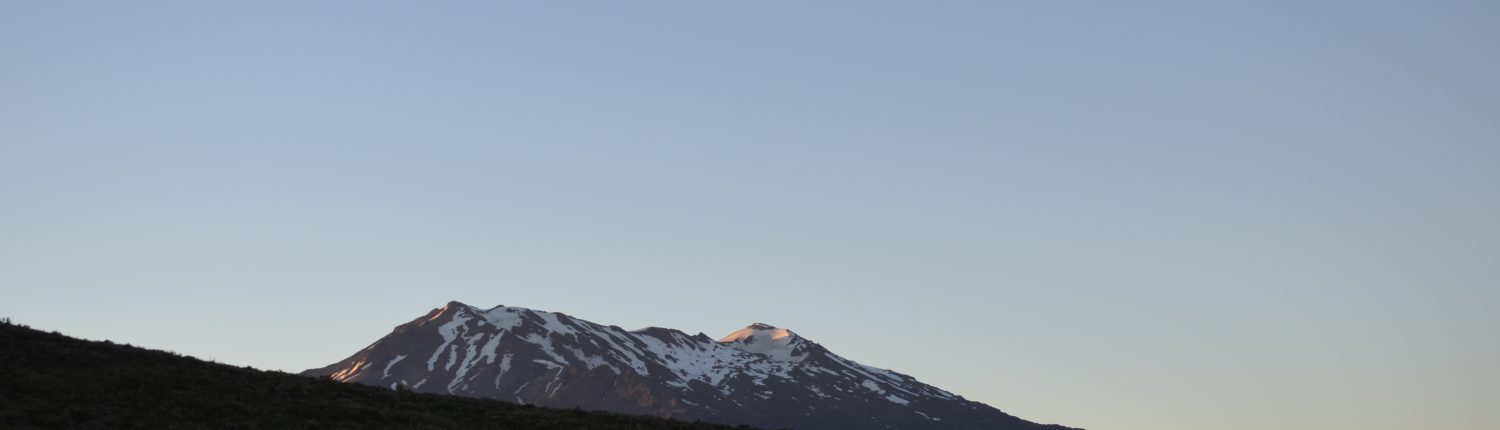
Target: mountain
<point>761,375</point>
<point>52,381</point>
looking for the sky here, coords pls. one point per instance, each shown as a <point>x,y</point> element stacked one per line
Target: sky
<point>1110,215</point>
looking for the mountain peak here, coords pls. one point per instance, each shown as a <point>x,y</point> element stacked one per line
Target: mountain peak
<point>760,326</point>
<point>757,331</point>
<point>448,310</point>
<point>765,339</point>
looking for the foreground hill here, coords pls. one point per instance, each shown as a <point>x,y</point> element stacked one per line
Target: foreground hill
<point>760,375</point>
<point>48,380</point>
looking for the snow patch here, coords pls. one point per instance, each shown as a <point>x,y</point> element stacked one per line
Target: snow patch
<point>488,352</point>
<point>554,325</point>
<point>448,331</point>
<point>452,358</point>
<point>504,367</point>
<point>776,343</point>
<point>471,357</point>
<point>504,318</point>
<point>387,372</point>
<point>546,345</point>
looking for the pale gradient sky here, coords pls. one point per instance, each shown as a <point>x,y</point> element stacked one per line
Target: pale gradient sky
<point>1154,215</point>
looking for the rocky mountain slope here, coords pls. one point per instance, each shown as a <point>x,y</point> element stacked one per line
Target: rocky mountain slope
<point>52,381</point>
<point>761,375</point>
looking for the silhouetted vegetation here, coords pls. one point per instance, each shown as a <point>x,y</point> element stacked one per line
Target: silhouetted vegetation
<point>48,380</point>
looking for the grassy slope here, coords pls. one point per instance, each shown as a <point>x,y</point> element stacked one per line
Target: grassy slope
<point>48,380</point>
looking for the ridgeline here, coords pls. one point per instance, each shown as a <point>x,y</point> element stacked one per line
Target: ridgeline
<point>49,380</point>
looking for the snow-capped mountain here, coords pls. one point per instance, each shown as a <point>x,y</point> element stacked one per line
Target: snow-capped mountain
<point>761,375</point>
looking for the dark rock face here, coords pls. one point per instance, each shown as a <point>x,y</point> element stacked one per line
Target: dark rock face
<point>761,375</point>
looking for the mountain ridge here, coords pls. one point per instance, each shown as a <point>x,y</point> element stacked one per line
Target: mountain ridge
<point>52,381</point>
<point>761,375</point>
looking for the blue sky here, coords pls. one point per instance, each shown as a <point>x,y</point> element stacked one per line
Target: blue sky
<point>1156,215</point>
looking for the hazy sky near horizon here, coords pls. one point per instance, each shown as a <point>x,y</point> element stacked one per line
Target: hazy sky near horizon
<point>1111,215</point>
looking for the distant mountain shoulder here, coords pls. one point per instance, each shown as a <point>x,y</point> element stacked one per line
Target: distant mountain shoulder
<point>51,381</point>
<point>761,375</point>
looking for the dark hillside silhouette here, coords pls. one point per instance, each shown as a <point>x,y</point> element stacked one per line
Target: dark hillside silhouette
<point>49,380</point>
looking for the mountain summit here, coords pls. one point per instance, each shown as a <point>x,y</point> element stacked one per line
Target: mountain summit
<point>760,375</point>
<point>764,339</point>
